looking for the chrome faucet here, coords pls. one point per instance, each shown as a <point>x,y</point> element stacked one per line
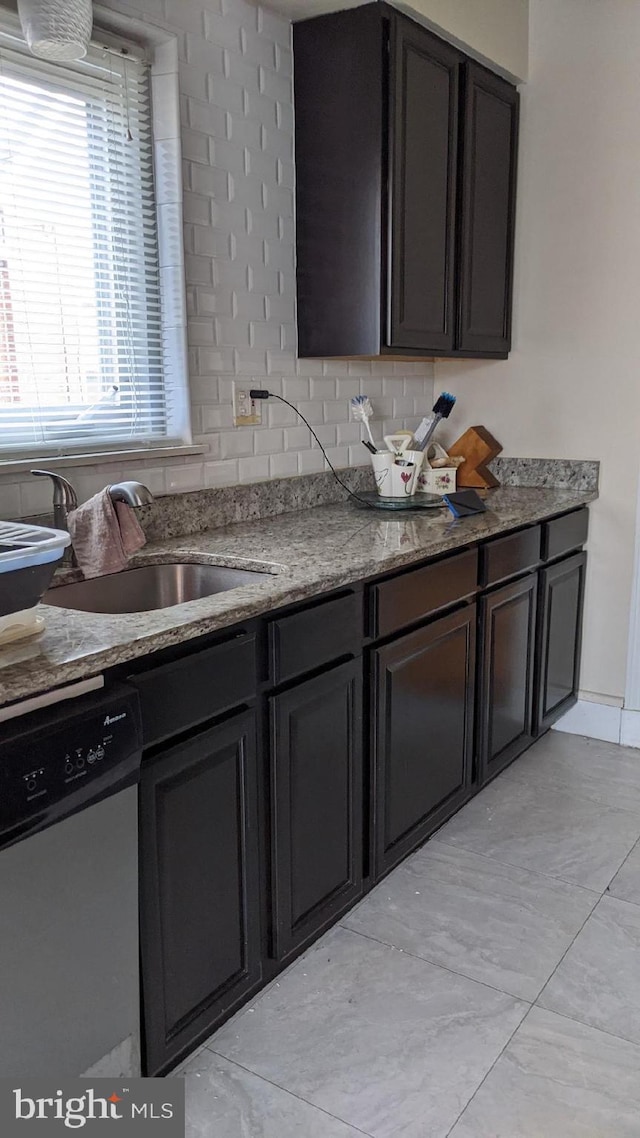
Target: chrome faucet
<point>134,494</point>
<point>65,499</point>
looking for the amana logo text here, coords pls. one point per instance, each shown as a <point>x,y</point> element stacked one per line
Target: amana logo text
<point>109,719</point>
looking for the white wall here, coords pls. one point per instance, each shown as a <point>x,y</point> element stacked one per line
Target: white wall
<point>571,387</point>
<point>237,141</point>
<point>494,30</point>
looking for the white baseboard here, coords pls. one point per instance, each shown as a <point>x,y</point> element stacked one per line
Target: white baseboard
<point>597,720</point>
<point>630,728</point>
<point>602,721</point>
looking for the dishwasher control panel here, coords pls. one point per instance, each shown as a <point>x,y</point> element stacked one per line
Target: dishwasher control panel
<point>56,761</point>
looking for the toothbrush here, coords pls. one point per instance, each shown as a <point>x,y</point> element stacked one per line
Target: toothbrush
<point>442,408</point>
<point>361,409</point>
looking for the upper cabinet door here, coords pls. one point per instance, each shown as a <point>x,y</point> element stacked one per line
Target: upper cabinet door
<point>422,180</point>
<point>490,143</point>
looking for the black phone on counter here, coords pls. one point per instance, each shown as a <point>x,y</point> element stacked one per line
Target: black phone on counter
<point>464,503</point>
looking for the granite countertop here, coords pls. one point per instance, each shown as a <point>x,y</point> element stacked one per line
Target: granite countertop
<point>304,553</point>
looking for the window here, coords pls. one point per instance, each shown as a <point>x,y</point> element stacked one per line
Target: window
<point>82,362</point>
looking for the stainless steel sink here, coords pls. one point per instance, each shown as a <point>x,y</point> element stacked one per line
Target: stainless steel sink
<point>150,587</point>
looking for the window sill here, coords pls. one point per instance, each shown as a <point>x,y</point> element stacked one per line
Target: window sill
<point>97,458</point>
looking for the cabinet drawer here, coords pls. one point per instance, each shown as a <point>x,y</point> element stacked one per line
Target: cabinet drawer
<point>177,696</point>
<point>564,534</point>
<point>410,597</point>
<point>508,556</point>
<point>314,636</point>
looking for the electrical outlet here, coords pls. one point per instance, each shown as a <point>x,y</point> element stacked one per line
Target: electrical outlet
<point>247,412</point>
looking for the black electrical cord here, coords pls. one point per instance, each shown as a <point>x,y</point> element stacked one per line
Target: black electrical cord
<point>262,393</point>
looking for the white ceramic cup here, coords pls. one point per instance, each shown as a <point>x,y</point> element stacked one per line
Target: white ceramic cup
<point>403,478</point>
<point>382,463</point>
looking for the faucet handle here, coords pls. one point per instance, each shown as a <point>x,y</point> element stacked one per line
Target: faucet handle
<point>63,492</point>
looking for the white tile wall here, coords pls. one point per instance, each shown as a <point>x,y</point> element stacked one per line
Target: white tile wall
<point>237,140</point>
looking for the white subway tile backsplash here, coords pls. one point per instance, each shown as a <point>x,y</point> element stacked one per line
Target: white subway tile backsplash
<point>230,274</point>
<point>210,302</point>
<point>228,156</point>
<point>279,415</point>
<point>212,361</point>
<point>284,60</point>
<point>221,473</point>
<point>281,363</point>
<point>347,388</point>
<point>241,12</point>
<point>186,15</point>
<point>209,181</point>
<point>9,501</point>
<point>252,469</point>
<point>236,67</point>
<point>327,435</point>
<point>244,132</point>
<point>322,388</point>
<point>338,456</point>
<point>249,361</point>
<point>297,438</point>
<point>222,31</point>
<point>263,110</point>
<point>218,418</point>
<point>283,465</point>
<point>258,48</point>
<point>336,411</point>
<point>232,331</point>
<point>351,433</point>
<point>263,335</point>
<point>225,93</point>
<point>201,331</point>
<point>236,444</point>
<point>296,389</point>
<point>313,412</point>
<point>180,479</point>
<point>237,214</point>
<point>197,209</point>
<point>206,117</point>
<point>402,406</point>
<point>268,441</point>
<point>274,27</point>
<point>310,461</point>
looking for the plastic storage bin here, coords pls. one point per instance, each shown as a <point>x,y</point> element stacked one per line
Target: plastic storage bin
<point>28,558</point>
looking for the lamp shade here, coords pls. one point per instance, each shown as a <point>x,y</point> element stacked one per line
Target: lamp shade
<point>57,29</point>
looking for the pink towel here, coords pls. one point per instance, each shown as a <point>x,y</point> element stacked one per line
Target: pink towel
<point>104,534</point>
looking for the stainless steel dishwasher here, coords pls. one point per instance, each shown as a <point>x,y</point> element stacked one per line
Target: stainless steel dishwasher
<point>69,971</point>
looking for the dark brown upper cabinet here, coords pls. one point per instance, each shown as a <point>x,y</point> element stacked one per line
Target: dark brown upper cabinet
<point>405,191</point>
<point>489,156</point>
<point>422,189</point>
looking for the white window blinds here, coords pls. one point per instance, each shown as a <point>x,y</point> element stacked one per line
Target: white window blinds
<point>81,360</point>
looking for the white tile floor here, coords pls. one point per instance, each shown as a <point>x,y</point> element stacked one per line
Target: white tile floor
<point>488,988</point>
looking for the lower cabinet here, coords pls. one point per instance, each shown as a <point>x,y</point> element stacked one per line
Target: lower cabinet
<point>507,633</point>
<point>560,602</point>
<point>316,804</point>
<point>200,935</point>
<point>423,735</point>
<point>251,846</point>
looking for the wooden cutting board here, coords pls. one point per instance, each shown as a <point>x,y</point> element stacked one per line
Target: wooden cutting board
<point>478,447</point>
